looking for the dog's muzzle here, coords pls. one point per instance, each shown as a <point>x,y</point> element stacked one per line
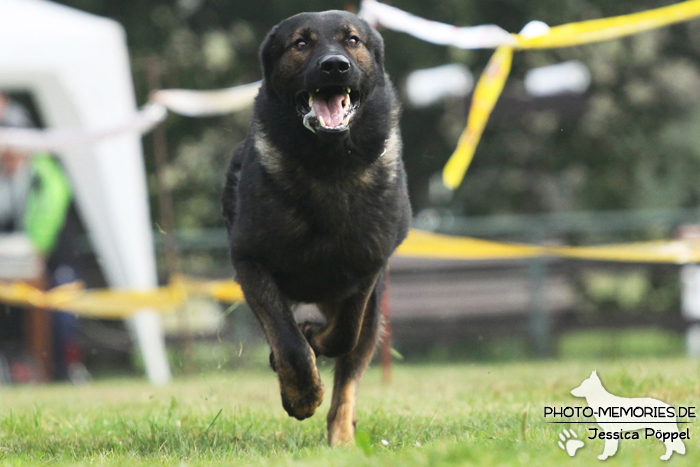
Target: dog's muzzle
<point>333,104</point>
<point>328,109</point>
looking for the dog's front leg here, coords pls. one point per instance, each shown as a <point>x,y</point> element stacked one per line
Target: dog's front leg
<point>350,366</point>
<point>300,385</point>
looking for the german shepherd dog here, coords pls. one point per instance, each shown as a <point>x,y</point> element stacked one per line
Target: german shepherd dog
<point>316,202</point>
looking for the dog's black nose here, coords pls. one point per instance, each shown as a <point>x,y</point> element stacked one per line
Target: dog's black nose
<point>334,65</point>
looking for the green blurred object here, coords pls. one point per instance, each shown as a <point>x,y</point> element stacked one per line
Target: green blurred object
<point>47,203</point>
<point>362,441</point>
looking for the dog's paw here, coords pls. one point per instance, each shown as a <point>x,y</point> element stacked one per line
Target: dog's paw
<point>341,438</point>
<point>570,442</point>
<point>300,401</point>
<point>341,426</point>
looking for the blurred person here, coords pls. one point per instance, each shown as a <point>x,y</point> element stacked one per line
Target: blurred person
<point>35,198</point>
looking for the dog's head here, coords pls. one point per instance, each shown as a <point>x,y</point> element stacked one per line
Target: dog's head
<point>590,386</point>
<point>323,66</point>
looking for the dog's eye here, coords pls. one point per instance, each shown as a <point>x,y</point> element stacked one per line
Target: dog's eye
<point>354,40</point>
<point>300,44</point>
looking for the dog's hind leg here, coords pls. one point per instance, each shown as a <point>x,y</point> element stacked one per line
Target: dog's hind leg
<point>610,449</point>
<point>349,369</point>
<point>300,385</point>
<point>344,323</point>
<point>676,445</point>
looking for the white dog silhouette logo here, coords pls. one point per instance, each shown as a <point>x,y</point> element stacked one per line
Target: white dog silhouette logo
<point>617,415</point>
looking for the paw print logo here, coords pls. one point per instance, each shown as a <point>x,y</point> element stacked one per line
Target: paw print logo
<point>570,442</point>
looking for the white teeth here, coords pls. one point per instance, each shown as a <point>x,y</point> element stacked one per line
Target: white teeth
<point>307,117</point>
<point>311,101</point>
<point>348,90</point>
<point>346,121</point>
<point>320,120</point>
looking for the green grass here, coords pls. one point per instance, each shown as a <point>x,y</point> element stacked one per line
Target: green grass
<point>431,415</point>
<point>621,343</point>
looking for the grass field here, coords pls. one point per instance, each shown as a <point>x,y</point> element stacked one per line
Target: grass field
<point>431,415</point>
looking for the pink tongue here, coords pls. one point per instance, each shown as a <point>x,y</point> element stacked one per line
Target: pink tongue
<point>331,110</point>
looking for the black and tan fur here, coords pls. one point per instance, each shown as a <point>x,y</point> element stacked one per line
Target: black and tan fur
<point>314,214</point>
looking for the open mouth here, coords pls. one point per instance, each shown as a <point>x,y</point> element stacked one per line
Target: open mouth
<point>329,108</point>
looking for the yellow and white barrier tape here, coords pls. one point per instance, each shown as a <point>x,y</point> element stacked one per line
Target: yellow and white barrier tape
<point>119,304</point>
<point>488,36</point>
<point>208,103</point>
<point>561,36</point>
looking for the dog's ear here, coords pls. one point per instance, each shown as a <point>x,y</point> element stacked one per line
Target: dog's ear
<point>377,46</point>
<point>594,375</point>
<point>268,53</point>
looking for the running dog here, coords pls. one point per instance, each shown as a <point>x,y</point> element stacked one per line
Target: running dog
<point>315,203</point>
<point>616,415</point>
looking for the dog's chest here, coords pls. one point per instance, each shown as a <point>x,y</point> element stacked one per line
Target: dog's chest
<point>320,225</point>
<point>351,219</point>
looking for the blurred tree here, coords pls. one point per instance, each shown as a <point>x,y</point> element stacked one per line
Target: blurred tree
<point>635,144</point>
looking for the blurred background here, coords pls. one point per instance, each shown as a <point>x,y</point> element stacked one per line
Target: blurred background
<point>610,157</point>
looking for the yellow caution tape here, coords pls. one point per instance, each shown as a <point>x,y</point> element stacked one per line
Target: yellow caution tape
<point>421,244</point>
<point>226,291</point>
<point>674,252</point>
<point>120,304</point>
<point>566,35</point>
<point>597,30</point>
<point>117,304</point>
<point>484,99</point>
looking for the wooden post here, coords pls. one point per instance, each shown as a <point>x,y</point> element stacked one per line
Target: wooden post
<point>38,336</point>
<point>385,349</point>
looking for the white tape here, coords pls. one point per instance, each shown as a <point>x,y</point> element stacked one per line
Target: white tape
<point>534,29</point>
<point>207,103</point>
<point>54,140</point>
<point>567,77</point>
<point>181,101</point>
<point>487,36</point>
<point>427,86</point>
